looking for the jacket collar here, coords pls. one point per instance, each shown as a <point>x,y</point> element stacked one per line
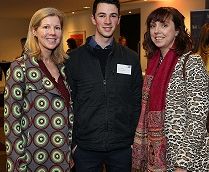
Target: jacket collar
<point>42,82</point>
<point>94,44</point>
<point>114,45</point>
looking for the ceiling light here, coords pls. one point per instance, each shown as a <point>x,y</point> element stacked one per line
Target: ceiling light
<point>86,7</point>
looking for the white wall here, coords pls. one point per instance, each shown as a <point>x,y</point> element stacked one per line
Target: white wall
<point>11,31</point>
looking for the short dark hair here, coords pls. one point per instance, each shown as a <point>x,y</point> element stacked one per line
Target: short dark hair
<point>71,42</point>
<point>114,2</point>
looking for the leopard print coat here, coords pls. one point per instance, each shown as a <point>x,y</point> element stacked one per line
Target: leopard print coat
<point>187,104</point>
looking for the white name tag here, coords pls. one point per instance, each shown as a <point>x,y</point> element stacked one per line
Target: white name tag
<point>124,69</point>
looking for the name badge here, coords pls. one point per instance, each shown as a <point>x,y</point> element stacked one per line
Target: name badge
<point>124,69</point>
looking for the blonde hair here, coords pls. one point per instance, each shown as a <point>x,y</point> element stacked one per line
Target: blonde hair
<point>32,47</point>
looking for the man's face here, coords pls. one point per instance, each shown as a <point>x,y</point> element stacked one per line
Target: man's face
<point>106,20</point>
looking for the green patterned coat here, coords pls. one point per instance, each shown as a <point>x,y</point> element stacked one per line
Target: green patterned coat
<point>38,124</point>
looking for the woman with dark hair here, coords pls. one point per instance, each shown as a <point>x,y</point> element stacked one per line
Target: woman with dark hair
<point>171,133</point>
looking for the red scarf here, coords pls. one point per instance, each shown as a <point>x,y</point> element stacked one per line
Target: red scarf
<point>149,148</point>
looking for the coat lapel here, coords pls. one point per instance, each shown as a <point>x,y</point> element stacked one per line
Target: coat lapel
<point>37,80</point>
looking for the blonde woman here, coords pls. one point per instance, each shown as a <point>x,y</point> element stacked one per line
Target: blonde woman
<point>37,103</point>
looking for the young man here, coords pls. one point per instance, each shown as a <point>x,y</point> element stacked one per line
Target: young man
<point>106,83</point>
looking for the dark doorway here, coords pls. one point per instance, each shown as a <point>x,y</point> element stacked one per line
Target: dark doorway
<point>130,28</point>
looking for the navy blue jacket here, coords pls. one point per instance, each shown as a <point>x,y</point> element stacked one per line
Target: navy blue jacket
<point>106,109</point>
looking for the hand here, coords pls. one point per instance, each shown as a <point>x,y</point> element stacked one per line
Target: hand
<point>180,170</point>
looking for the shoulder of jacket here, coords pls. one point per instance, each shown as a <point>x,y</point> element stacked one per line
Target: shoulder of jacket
<point>128,51</point>
<point>78,50</point>
<point>20,61</point>
<point>189,57</point>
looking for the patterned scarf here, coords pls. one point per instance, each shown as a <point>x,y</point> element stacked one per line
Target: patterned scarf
<point>149,148</point>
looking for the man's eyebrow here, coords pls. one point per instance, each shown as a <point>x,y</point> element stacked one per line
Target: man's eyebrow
<point>101,13</point>
<point>106,13</point>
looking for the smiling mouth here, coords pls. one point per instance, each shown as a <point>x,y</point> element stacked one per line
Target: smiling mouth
<point>107,28</point>
<point>158,38</point>
<point>51,39</point>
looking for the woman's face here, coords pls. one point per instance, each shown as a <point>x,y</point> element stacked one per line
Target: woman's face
<point>163,34</point>
<point>49,33</point>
